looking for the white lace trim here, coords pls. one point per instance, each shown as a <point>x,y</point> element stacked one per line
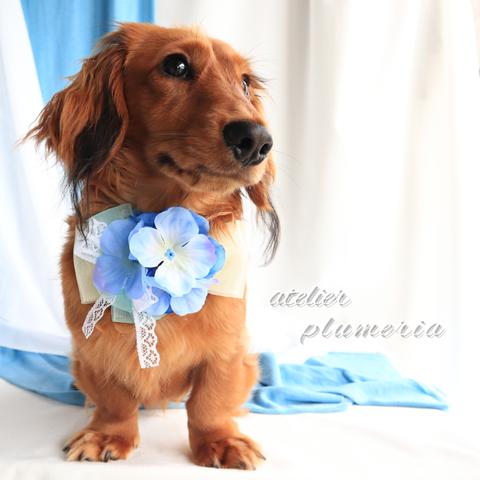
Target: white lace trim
<point>146,339</point>
<point>96,313</point>
<point>88,248</point>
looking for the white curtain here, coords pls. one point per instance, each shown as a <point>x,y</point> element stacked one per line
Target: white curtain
<point>31,211</point>
<point>374,108</point>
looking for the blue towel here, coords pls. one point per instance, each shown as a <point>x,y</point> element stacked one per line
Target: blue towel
<point>322,384</point>
<point>333,382</point>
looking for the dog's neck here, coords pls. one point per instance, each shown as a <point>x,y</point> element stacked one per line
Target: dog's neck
<point>128,181</point>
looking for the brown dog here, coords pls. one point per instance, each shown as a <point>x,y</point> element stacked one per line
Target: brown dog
<point>162,117</point>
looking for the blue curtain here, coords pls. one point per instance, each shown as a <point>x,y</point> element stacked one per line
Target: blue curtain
<point>63,32</point>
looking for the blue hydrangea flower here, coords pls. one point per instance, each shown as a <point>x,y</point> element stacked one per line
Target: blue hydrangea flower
<point>177,250</point>
<point>114,270</point>
<point>175,241</point>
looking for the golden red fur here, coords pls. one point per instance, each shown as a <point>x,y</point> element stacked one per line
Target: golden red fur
<point>126,132</point>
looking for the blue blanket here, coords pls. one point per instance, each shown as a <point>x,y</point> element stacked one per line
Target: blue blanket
<point>322,384</point>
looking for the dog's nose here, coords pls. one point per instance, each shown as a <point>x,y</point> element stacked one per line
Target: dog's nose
<point>249,141</point>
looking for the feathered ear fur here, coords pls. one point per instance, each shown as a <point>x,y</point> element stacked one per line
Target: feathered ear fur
<point>260,195</point>
<point>85,124</point>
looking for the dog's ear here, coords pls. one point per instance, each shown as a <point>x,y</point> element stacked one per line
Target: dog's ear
<point>260,195</point>
<point>85,124</point>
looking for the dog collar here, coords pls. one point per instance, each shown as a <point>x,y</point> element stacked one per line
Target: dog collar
<point>231,279</point>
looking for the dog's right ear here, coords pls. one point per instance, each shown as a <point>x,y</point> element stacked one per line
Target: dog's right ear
<point>85,124</point>
<point>260,195</point>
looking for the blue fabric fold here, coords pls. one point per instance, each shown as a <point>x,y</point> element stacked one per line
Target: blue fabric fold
<point>63,32</point>
<point>46,374</point>
<point>322,384</point>
<point>333,382</point>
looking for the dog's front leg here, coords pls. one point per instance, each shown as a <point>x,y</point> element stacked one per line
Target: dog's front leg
<point>220,387</point>
<point>112,432</point>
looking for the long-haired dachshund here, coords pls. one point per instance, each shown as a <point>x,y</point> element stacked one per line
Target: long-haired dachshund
<point>161,117</point>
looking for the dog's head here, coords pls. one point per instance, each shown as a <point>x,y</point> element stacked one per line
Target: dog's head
<point>183,106</point>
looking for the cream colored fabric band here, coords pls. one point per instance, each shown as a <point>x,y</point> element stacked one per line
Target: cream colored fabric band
<point>231,279</point>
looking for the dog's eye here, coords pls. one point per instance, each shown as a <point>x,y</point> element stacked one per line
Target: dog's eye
<point>246,85</point>
<point>177,65</point>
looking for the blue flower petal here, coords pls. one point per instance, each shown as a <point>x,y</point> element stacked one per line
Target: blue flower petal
<point>148,246</point>
<point>205,282</point>
<point>192,302</point>
<point>197,257</point>
<point>147,218</point>
<point>162,305</point>
<point>220,253</point>
<point>114,240</point>
<point>109,275</point>
<point>172,278</point>
<point>176,225</point>
<point>150,279</point>
<point>140,224</point>
<point>135,285</point>
<point>202,222</point>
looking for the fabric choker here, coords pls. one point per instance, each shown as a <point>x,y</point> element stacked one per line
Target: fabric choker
<point>146,265</point>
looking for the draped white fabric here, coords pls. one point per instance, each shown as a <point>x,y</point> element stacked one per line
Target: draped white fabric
<point>374,108</point>
<point>31,211</point>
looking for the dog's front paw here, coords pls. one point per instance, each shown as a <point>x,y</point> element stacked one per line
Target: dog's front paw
<point>241,453</point>
<point>91,446</point>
